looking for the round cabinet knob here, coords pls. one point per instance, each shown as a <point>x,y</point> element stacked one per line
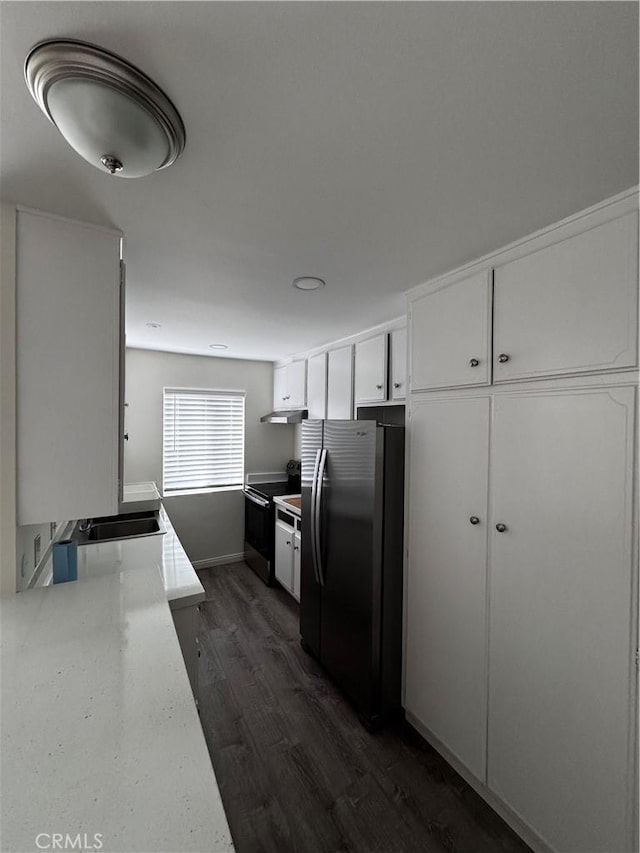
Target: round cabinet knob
<point>474,519</point>
<point>503,358</point>
<point>500,527</point>
<point>473,362</point>
<point>396,384</point>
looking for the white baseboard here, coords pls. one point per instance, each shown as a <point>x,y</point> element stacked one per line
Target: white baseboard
<point>217,561</point>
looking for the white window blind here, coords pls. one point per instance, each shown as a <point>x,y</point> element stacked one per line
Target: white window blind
<point>203,439</point>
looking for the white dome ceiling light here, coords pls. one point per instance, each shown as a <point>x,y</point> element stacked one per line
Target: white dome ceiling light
<point>308,282</point>
<point>112,114</point>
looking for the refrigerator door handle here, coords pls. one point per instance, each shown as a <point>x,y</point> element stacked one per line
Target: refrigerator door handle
<point>314,498</point>
<point>317,510</point>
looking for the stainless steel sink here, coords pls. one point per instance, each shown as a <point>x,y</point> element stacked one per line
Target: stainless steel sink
<point>109,528</point>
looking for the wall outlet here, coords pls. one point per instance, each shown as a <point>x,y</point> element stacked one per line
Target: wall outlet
<point>36,550</point>
<point>53,525</point>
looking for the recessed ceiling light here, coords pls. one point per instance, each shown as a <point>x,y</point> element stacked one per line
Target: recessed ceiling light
<point>154,325</point>
<point>308,282</point>
<point>218,346</point>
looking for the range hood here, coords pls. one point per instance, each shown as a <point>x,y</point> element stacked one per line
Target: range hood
<point>285,416</point>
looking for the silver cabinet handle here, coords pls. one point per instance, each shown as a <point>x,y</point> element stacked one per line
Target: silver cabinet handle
<point>503,358</point>
<point>379,387</point>
<point>473,362</point>
<point>500,527</point>
<point>474,519</point>
<point>288,542</point>
<point>397,384</point>
<point>295,548</point>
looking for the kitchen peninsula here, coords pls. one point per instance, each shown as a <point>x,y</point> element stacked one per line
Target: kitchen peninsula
<point>101,735</point>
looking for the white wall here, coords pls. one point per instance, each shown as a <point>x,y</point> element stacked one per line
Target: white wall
<point>7,402</point>
<point>209,525</point>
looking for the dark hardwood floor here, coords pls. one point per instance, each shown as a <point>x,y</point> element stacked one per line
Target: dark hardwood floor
<point>296,769</point>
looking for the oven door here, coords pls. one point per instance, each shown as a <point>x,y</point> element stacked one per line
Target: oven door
<point>259,536</point>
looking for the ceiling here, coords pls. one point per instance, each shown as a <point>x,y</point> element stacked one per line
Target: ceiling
<point>375,145</point>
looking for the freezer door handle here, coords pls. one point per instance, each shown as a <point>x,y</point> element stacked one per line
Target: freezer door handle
<point>314,497</point>
<point>317,511</point>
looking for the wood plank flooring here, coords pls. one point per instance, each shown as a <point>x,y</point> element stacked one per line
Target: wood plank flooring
<point>296,769</point>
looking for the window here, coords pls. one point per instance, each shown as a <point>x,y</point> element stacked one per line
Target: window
<point>203,439</point>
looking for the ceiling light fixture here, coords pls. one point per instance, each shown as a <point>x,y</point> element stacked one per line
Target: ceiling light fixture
<point>218,346</point>
<point>308,282</point>
<point>111,113</point>
<point>154,325</point>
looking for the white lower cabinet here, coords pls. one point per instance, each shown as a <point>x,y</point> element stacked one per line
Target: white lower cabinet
<point>560,631</point>
<point>523,667</point>
<point>296,565</point>
<point>446,668</point>
<point>287,553</point>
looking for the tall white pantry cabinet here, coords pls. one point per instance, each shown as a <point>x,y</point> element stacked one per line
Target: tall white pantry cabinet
<point>521,577</point>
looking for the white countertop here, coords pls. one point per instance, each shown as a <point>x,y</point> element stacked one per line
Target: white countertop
<point>100,733</point>
<point>162,551</point>
<point>281,500</point>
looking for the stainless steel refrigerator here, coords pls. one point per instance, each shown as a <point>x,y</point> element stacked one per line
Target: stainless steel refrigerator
<point>351,570</point>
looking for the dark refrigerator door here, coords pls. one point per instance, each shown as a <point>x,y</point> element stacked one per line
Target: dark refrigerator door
<point>351,547</point>
<point>310,592</point>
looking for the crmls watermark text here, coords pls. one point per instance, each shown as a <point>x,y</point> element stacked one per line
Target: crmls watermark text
<point>66,841</point>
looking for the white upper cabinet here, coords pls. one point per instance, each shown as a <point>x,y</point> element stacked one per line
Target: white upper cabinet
<point>317,385</point>
<point>398,365</point>
<point>297,384</point>
<point>570,307</point>
<point>68,358</point>
<point>290,386</point>
<point>371,370</point>
<point>280,387</point>
<point>450,334</point>
<point>340,383</point>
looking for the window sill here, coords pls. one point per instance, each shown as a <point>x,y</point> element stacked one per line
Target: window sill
<point>181,492</point>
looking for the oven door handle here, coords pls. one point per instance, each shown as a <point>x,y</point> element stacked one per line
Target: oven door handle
<point>259,501</point>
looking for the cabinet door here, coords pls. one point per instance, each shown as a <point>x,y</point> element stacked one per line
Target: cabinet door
<point>446,670</point>
<point>560,704</point>
<point>371,370</point>
<point>340,383</point>
<point>317,386</point>
<point>297,385</point>
<point>398,390</point>
<point>279,388</point>
<point>296,565</point>
<point>284,555</point>
<point>571,307</point>
<point>67,368</point>
<point>450,335</point>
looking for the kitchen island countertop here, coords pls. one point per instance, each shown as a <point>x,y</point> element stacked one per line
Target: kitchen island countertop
<point>100,733</point>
